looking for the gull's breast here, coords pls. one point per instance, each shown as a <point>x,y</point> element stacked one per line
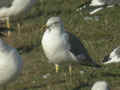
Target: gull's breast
<point>54,46</point>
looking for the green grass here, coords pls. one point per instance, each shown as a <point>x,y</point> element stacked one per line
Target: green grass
<point>99,37</point>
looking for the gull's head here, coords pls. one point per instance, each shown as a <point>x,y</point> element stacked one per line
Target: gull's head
<point>54,22</point>
<point>114,57</point>
<point>100,85</point>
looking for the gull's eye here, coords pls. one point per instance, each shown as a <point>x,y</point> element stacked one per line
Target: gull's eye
<point>55,23</point>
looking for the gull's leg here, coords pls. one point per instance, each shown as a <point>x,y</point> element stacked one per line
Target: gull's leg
<point>65,75</point>
<point>96,10</point>
<point>8,22</point>
<point>70,71</point>
<point>8,25</point>
<point>19,28</point>
<point>57,67</point>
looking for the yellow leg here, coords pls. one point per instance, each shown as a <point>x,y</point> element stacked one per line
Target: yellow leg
<point>65,75</point>
<point>8,22</point>
<point>8,25</point>
<point>57,67</point>
<point>19,28</point>
<point>70,71</point>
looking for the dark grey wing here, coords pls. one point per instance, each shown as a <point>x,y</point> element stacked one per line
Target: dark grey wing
<point>117,52</point>
<point>5,3</point>
<point>78,49</point>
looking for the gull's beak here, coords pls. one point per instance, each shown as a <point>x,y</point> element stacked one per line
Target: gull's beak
<point>43,27</point>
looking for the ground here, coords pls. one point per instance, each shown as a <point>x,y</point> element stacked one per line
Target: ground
<point>99,37</point>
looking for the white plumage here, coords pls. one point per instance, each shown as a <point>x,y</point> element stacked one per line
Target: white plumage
<point>100,85</point>
<point>113,57</point>
<point>10,64</point>
<point>54,43</point>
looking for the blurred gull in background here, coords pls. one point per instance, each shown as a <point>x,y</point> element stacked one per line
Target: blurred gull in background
<point>114,56</point>
<point>100,85</point>
<point>98,5</point>
<point>10,64</point>
<point>10,8</point>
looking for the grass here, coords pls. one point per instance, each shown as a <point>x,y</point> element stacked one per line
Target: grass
<point>99,37</point>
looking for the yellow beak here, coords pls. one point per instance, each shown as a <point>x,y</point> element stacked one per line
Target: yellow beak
<point>43,27</point>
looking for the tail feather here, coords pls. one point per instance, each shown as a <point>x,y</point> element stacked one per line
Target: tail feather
<point>92,62</point>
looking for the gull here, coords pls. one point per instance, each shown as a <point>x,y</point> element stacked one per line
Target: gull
<point>99,5</point>
<point>100,85</point>
<point>61,46</point>
<point>16,7</point>
<point>114,56</point>
<point>10,64</point>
